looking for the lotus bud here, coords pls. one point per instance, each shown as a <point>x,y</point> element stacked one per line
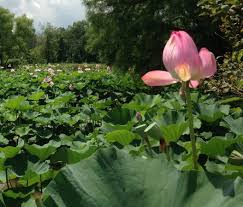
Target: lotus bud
<point>180,57</point>
<point>139,116</point>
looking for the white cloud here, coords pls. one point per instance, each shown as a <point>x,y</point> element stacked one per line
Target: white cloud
<point>36,4</point>
<point>60,13</point>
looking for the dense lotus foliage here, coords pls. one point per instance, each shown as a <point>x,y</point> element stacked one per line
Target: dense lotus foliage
<point>53,116</point>
<point>158,124</point>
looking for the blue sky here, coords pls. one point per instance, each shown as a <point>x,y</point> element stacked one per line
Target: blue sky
<point>60,13</point>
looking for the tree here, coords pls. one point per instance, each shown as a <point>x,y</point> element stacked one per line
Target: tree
<point>6,34</point>
<point>37,53</point>
<point>17,37</point>
<point>51,35</point>
<point>132,33</point>
<point>76,41</point>
<point>65,45</point>
<point>24,34</point>
<point>62,47</point>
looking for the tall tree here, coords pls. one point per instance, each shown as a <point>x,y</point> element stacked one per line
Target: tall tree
<point>24,34</point>
<point>62,47</point>
<point>51,35</point>
<point>75,36</point>
<point>6,34</point>
<point>132,33</point>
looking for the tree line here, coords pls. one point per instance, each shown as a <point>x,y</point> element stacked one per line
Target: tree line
<point>122,33</point>
<point>20,43</point>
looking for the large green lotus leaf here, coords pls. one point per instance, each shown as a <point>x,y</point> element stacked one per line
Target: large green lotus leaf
<point>22,130</point>
<point>119,116</point>
<point>118,119</point>
<point>142,102</point>
<point>153,131</point>
<point>45,133</point>
<point>123,137</point>
<point>235,125</point>
<point>170,132</point>
<point>17,103</point>
<point>10,116</point>
<point>9,152</point>
<point>170,126</point>
<point>30,115</point>
<point>36,96</point>
<point>115,179</point>
<point>43,152</point>
<point>62,119</point>
<point>171,117</point>
<point>174,101</point>
<point>109,127</point>
<point>173,132</point>
<point>3,140</point>
<point>34,178</point>
<point>61,100</point>
<point>212,112</point>
<point>14,102</point>
<point>196,125</point>
<point>217,145</point>
<point>73,154</point>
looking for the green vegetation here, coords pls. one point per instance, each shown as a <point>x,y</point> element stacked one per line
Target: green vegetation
<point>51,118</point>
<point>74,132</point>
<point>227,14</point>
<point>138,182</point>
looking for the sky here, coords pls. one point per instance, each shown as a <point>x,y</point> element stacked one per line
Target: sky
<point>60,13</point>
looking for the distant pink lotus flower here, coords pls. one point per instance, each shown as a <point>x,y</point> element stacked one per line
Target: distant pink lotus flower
<point>48,80</point>
<point>183,63</point>
<point>71,87</point>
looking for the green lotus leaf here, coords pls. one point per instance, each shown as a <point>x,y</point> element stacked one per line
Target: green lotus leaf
<point>73,154</point>
<point>9,152</point>
<point>119,116</point>
<point>170,126</point>
<point>217,145</point>
<point>36,96</point>
<point>114,178</point>
<point>123,137</point>
<point>142,102</point>
<point>17,103</point>
<point>22,130</point>
<point>43,152</point>
<point>235,125</point>
<point>212,112</point>
<point>3,140</point>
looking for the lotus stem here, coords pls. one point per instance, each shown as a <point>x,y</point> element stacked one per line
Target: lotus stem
<point>185,86</point>
<point>167,152</point>
<point>40,184</point>
<point>39,203</point>
<point>6,175</point>
<point>164,147</point>
<point>148,145</point>
<point>38,199</point>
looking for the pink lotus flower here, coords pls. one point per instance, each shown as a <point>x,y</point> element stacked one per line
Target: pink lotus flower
<point>183,63</point>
